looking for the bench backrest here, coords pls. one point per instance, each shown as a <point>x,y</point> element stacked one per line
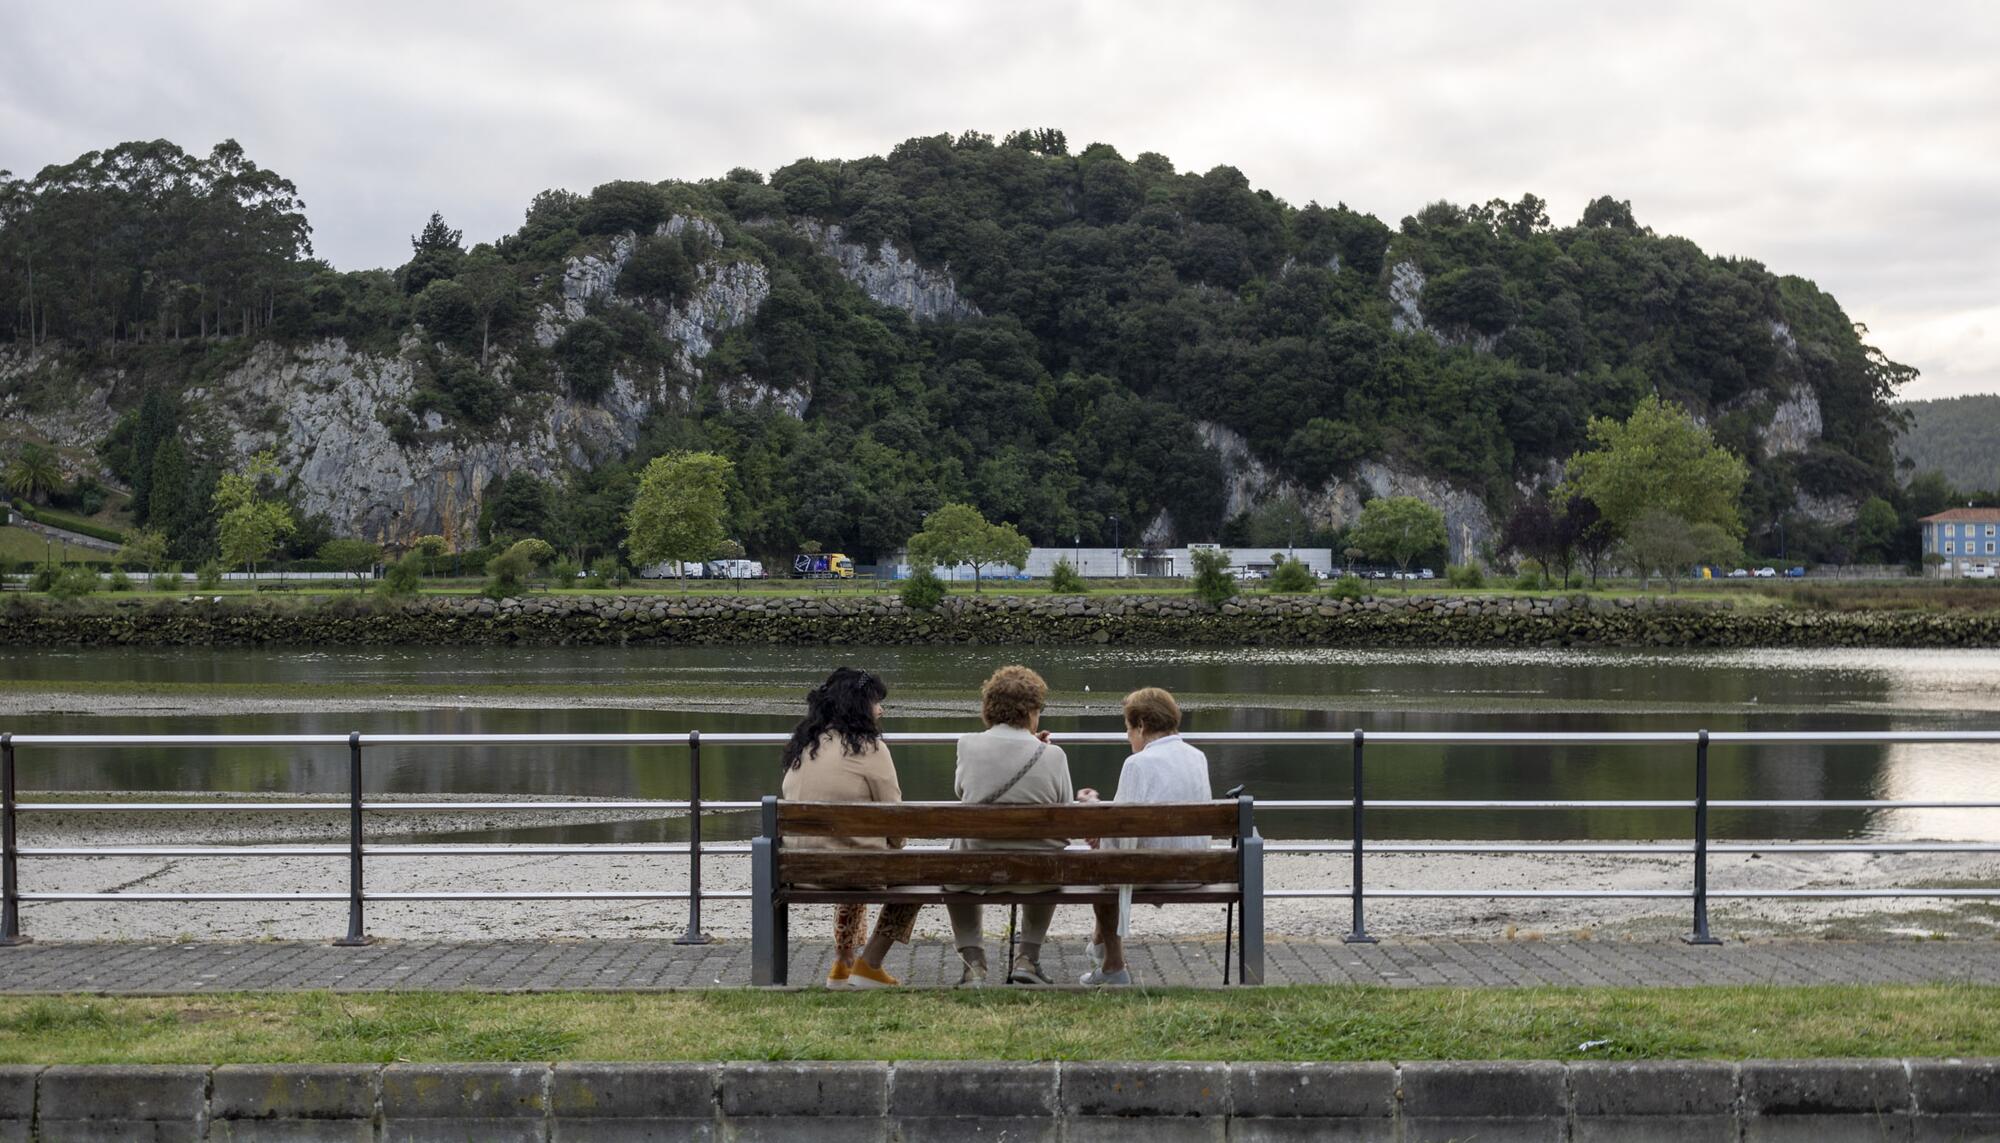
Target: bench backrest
<point>835,868</point>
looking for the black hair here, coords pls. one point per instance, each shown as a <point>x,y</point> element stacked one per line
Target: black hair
<point>844,703</point>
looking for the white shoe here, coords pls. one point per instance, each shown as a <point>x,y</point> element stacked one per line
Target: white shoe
<point>1098,978</point>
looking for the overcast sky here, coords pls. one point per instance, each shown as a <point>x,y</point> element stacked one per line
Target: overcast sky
<point>1854,144</point>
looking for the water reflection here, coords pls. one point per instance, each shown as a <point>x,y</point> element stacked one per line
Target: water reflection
<point>1241,689</point>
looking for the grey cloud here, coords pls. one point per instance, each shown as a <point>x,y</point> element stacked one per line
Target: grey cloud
<point>1849,143</point>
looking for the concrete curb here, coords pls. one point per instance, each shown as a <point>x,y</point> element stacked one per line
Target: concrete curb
<point>1825,1101</point>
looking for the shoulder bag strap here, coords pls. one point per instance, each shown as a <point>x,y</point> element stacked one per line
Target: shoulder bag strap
<point>1016,779</point>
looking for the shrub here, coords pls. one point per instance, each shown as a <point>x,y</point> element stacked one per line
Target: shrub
<point>42,580</point>
<point>402,578</point>
<point>208,576</point>
<point>1347,587</point>
<point>118,580</point>
<point>1465,575</point>
<point>564,572</point>
<point>608,572</point>
<point>1212,581</point>
<point>73,582</point>
<point>507,571</point>
<point>923,591</point>
<point>169,579</point>
<point>1064,580</point>
<point>1293,576</point>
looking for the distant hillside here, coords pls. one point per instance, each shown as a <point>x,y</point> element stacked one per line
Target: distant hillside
<point>1099,349</point>
<point>1956,436</point>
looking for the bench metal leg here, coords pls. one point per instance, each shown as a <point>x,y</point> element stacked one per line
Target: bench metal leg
<point>765,952</point>
<point>1251,970</point>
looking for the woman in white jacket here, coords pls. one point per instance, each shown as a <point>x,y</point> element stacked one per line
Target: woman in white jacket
<point>1163,768</point>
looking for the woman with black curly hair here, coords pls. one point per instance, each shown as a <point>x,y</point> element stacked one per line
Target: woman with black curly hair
<point>837,755</point>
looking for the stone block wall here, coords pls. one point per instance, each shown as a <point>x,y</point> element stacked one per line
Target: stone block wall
<point>1824,1101</point>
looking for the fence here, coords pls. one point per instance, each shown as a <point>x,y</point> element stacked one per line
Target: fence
<point>1356,746</point>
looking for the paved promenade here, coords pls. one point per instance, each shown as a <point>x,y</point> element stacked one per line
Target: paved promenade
<point>658,964</point>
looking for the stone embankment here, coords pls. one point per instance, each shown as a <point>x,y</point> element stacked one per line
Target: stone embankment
<point>1311,620</point>
<point>1830,1101</point>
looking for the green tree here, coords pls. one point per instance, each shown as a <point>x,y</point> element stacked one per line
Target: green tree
<point>251,522</point>
<point>144,547</point>
<point>1661,543</point>
<point>957,534</point>
<point>1064,580</point>
<point>434,255</point>
<point>403,578</point>
<point>33,473</point>
<point>430,549</point>
<point>1398,529</point>
<point>1875,528</point>
<point>1212,582</point>
<point>1289,575</point>
<point>489,288</point>
<point>1658,458</point>
<point>678,512</point>
<point>355,557</point>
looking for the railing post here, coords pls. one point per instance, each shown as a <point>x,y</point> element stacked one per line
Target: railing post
<point>356,932</point>
<point>10,890</point>
<point>1701,936</point>
<point>1360,934</point>
<point>694,935</point>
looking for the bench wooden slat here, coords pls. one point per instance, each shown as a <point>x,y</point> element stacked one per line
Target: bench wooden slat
<point>999,867</point>
<point>1063,895</point>
<point>1009,823</point>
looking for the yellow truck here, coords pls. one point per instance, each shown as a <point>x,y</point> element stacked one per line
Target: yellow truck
<point>831,565</point>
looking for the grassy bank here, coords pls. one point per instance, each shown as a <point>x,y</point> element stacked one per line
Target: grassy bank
<point>1319,1023</point>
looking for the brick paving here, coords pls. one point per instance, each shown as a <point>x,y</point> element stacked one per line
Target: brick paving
<point>655,964</point>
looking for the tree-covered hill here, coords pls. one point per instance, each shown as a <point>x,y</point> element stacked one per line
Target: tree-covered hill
<point>1083,344</point>
<point>1957,437</point>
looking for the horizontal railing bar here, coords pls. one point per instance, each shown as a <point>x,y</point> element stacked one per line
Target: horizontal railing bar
<point>577,849</point>
<point>471,807</point>
<point>1580,894</point>
<point>1854,847</point>
<point>1846,804</point>
<point>1589,804</point>
<point>1748,893</point>
<point>1375,737</point>
<point>526,895</point>
<point>187,851</point>
<point>167,807</point>
<point>183,896</point>
<point>1490,847</point>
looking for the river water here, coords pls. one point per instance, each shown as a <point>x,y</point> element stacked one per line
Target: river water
<point>757,689</point>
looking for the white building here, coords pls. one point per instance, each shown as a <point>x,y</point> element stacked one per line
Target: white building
<point>1134,563</point>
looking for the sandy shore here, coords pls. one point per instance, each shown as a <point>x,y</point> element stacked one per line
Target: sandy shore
<point>724,873</point>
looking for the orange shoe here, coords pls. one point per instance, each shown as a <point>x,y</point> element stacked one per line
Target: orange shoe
<point>839,976</point>
<point>865,975</point>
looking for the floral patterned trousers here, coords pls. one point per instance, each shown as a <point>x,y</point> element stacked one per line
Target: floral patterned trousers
<point>898,921</point>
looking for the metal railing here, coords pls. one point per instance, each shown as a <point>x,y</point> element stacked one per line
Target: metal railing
<point>358,806</point>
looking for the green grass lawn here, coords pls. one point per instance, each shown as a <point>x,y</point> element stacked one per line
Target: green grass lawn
<point>1310,1023</point>
<point>18,544</point>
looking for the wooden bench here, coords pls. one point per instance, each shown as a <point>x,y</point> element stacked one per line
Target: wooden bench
<point>784,876</point>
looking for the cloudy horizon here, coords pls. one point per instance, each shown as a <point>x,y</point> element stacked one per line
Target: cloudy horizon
<point>1852,144</point>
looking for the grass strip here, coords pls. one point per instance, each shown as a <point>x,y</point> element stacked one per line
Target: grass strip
<point>1302,1023</point>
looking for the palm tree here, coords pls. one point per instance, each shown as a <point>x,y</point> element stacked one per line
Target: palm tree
<point>33,473</point>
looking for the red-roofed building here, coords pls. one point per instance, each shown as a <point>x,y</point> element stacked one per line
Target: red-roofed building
<point>1966,539</point>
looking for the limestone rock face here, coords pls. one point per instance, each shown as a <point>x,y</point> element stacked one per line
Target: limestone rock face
<point>1337,504</point>
<point>889,278</point>
<point>1795,424</point>
<point>1406,292</point>
<point>80,420</point>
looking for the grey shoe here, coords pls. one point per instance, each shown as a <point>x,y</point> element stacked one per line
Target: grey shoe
<point>974,974</point>
<point>1027,971</point>
<point>1098,978</point>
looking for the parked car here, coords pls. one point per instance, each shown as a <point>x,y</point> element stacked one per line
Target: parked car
<point>1740,573</point>
<point>1766,573</point>
<point>1425,573</point>
<point>1979,571</point>
<point>1795,573</point>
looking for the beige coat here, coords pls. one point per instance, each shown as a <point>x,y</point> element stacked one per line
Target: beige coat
<point>985,762</point>
<point>828,773</point>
